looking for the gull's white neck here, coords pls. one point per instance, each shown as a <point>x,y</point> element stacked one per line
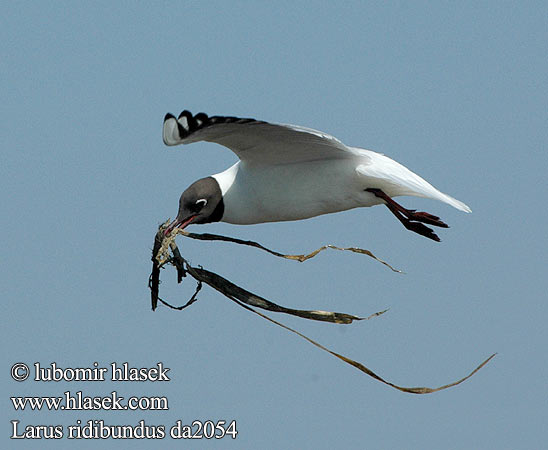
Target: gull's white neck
<point>226,178</point>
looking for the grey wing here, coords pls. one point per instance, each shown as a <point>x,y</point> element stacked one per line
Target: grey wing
<point>254,140</point>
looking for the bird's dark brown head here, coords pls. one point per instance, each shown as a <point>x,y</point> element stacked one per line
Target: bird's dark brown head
<point>202,202</point>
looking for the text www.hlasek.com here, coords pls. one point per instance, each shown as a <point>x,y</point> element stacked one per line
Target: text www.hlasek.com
<point>80,402</point>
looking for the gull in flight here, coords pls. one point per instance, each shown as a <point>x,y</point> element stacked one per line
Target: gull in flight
<point>288,172</point>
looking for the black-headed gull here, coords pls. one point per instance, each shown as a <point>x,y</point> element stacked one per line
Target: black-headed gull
<point>288,172</point>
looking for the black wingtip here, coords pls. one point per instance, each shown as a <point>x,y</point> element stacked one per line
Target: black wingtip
<point>187,123</point>
<point>186,113</point>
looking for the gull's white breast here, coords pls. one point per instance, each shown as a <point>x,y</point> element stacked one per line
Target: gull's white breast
<point>272,193</point>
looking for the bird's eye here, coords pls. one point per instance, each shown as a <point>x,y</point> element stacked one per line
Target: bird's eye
<point>201,203</point>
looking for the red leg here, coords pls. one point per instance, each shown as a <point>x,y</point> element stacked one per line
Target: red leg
<point>411,219</point>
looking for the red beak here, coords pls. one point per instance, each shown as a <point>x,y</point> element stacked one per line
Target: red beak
<point>179,224</point>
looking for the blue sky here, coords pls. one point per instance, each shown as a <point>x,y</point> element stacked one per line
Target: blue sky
<point>455,91</point>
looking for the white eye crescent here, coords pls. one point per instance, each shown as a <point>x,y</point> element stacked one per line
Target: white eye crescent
<point>201,202</point>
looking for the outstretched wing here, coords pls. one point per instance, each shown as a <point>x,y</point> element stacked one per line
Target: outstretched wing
<point>253,140</point>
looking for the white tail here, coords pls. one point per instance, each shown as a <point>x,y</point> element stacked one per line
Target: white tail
<point>394,179</point>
